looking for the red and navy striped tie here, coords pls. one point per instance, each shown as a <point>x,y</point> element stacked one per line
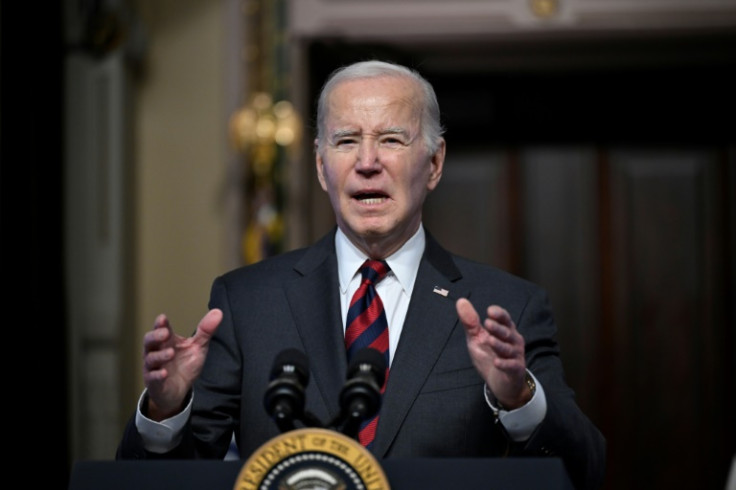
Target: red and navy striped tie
<point>366,326</point>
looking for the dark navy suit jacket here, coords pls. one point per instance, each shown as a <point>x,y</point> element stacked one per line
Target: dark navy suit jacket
<point>433,405</point>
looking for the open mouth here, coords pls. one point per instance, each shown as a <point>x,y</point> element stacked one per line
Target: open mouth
<point>370,197</point>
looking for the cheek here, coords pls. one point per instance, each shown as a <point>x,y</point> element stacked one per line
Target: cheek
<point>419,183</point>
<point>330,181</point>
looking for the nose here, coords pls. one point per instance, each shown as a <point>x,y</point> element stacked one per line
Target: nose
<point>368,158</point>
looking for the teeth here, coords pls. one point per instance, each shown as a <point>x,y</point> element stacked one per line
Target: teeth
<point>372,200</point>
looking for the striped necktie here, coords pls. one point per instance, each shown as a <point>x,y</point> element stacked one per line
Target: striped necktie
<point>366,326</point>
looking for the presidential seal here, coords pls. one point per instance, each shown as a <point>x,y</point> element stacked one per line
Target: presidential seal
<point>311,459</point>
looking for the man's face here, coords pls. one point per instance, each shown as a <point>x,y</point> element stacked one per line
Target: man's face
<point>374,163</point>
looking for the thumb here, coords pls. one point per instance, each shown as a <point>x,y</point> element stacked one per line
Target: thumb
<point>208,325</point>
<point>468,315</point>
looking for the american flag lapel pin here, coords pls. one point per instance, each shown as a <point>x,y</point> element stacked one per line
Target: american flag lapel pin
<point>441,291</point>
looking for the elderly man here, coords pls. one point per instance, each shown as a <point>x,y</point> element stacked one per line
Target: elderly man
<point>473,364</point>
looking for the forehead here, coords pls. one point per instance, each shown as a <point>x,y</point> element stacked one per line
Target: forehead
<point>377,100</point>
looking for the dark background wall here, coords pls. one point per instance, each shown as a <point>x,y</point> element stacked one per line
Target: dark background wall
<point>31,170</point>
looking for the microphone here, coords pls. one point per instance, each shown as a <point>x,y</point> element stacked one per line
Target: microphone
<point>360,398</point>
<point>284,398</point>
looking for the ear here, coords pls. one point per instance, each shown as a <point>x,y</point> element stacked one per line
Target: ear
<point>320,165</point>
<point>437,162</point>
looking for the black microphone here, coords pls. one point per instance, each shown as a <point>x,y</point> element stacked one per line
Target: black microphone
<point>284,398</point>
<point>360,398</point>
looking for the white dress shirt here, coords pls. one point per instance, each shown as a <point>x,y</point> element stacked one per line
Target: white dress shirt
<point>395,289</point>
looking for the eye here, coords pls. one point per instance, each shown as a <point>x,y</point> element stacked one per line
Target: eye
<point>345,142</point>
<point>392,141</point>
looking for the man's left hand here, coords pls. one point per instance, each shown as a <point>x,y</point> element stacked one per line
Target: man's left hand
<point>497,351</point>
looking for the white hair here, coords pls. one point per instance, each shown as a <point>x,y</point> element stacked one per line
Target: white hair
<point>431,127</point>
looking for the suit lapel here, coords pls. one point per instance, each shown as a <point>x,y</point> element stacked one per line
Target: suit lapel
<point>429,322</point>
<point>320,328</point>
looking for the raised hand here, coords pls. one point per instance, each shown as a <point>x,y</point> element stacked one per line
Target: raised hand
<point>171,363</point>
<point>497,351</point>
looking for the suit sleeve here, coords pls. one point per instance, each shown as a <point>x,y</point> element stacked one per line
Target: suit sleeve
<point>565,432</point>
<point>217,391</point>
<point>216,395</point>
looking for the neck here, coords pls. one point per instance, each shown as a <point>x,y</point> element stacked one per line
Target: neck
<point>380,247</point>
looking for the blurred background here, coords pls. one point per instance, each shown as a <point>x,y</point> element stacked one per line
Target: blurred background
<point>149,146</point>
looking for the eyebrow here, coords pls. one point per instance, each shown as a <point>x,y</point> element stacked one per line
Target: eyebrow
<point>342,133</point>
<point>352,132</point>
<point>394,130</point>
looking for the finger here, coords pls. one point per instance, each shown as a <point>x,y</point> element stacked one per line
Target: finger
<point>155,359</point>
<point>504,338</point>
<point>506,350</point>
<point>500,315</point>
<point>155,376</point>
<point>498,330</point>
<point>499,323</point>
<point>161,327</point>
<point>207,326</point>
<point>162,321</point>
<point>468,316</point>
<point>156,340</point>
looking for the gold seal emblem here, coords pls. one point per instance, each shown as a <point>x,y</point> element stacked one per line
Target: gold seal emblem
<point>314,459</point>
<point>545,8</point>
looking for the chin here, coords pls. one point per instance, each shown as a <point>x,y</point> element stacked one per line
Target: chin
<point>373,228</point>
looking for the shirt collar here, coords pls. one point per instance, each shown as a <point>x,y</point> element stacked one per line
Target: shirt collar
<point>404,262</point>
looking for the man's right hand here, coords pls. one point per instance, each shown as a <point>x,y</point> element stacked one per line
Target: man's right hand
<point>171,363</point>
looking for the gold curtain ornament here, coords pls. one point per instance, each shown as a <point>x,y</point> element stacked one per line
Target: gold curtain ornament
<point>263,132</point>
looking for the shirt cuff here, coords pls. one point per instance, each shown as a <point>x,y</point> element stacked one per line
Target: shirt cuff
<point>521,422</point>
<point>161,437</point>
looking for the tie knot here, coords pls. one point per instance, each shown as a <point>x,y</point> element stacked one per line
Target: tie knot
<point>374,270</point>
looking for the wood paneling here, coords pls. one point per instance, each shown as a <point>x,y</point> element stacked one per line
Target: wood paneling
<point>469,210</point>
<point>666,412</point>
<point>633,248</point>
<point>561,253</point>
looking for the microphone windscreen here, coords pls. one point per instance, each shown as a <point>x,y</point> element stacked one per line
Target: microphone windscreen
<point>368,357</point>
<point>289,359</point>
